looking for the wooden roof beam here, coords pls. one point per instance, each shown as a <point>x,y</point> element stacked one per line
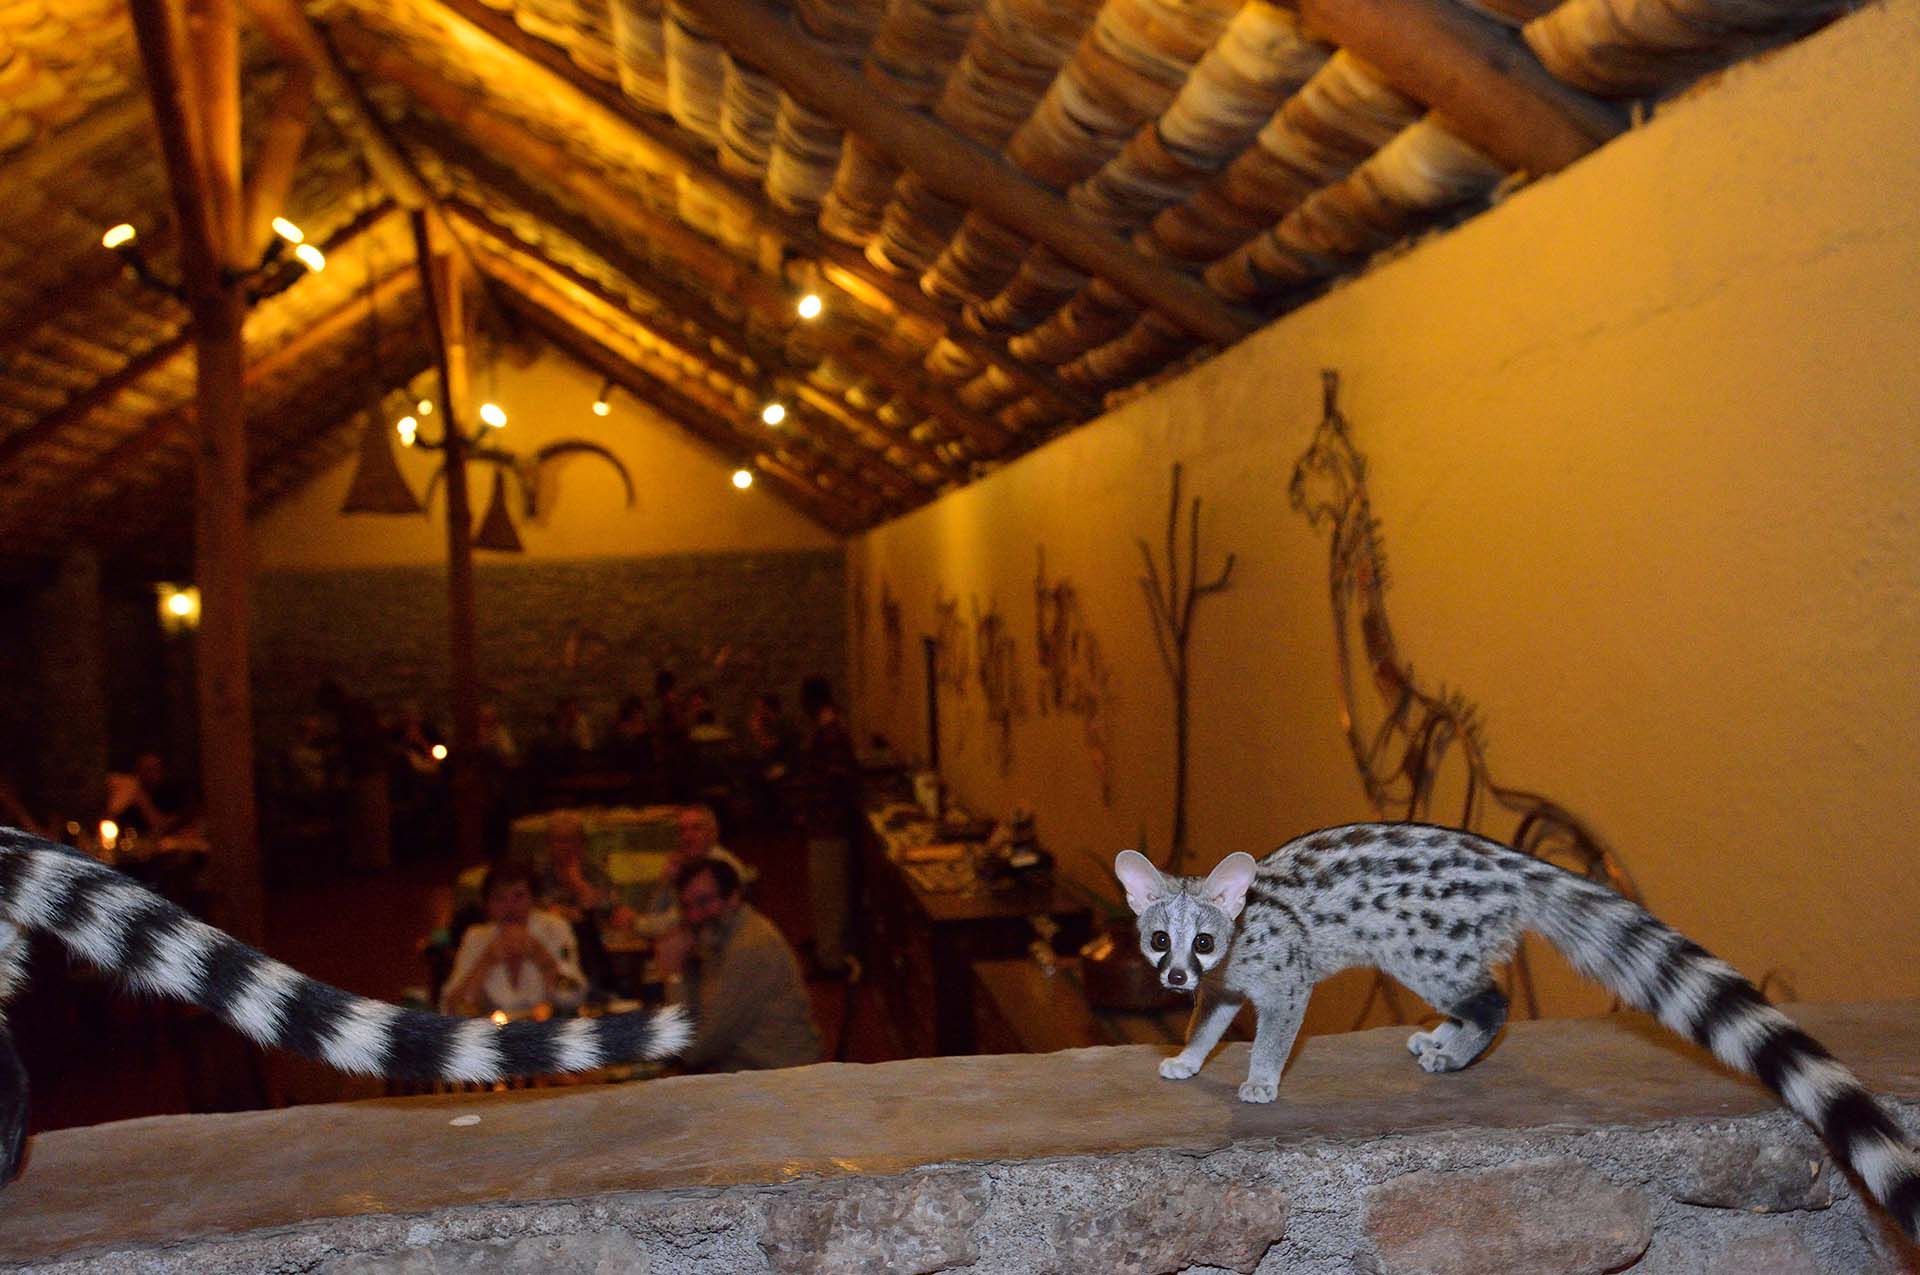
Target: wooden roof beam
<point>955,168</point>
<point>160,29</point>
<point>671,145</point>
<point>103,391</point>
<point>1477,74</point>
<point>277,159</point>
<point>55,506</point>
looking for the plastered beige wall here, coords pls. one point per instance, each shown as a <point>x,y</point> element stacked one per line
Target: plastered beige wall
<point>683,503</point>
<point>1645,443</point>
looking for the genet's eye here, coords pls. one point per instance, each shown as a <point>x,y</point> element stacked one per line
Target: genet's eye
<point>1159,942</point>
<point>1203,944</point>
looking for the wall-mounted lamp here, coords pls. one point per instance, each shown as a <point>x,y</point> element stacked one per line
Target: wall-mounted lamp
<point>270,276</point>
<point>603,401</point>
<point>493,416</point>
<point>179,607</point>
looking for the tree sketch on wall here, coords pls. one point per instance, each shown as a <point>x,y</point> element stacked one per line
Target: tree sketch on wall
<point>1074,678</point>
<point>1172,597</point>
<point>892,638</point>
<point>953,663</point>
<point>1405,733</point>
<point>997,665</point>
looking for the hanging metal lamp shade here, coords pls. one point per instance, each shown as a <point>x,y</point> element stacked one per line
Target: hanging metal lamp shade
<point>496,527</point>
<point>377,486</point>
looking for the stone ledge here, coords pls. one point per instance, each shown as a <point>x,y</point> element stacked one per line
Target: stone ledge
<point>1578,1145</point>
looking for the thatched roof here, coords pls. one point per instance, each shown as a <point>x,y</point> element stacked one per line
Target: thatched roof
<point>1042,204</point>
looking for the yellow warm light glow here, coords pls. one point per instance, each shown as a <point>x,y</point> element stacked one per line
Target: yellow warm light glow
<point>439,752</point>
<point>601,407</point>
<point>288,231</point>
<point>179,607</point>
<point>743,478</point>
<point>109,834</point>
<point>311,257</point>
<point>408,428</point>
<point>119,237</point>
<point>493,415</point>
<point>773,413</point>
<point>425,407</point>
<point>499,1018</point>
<point>811,305</point>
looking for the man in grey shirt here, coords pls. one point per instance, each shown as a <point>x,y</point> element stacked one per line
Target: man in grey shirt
<point>738,974</point>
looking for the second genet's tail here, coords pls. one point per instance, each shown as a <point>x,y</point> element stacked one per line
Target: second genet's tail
<point>1695,994</point>
<point>119,926</point>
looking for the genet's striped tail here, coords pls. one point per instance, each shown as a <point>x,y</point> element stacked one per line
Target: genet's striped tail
<point>1699,996</point>
<point>119,926</point>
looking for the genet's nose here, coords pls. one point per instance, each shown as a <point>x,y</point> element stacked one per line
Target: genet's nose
<point>1176,977</point>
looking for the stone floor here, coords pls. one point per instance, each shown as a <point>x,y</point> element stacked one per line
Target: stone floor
<point>156,1185</point>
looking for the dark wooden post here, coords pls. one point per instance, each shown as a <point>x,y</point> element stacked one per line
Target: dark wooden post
<point>193,77</point>
<point>441,282</point>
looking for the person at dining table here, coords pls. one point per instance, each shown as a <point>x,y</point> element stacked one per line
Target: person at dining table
<point>145,800</point>
<point>520,957</point>
<point>579,891</point>
<point>735,970</point>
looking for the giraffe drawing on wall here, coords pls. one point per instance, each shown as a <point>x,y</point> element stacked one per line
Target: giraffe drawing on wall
<point>1404,734</point>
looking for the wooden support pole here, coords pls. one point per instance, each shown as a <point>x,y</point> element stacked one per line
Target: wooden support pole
<point>1478,75</point>
<point>197,117</point>
<point>955,168</point>
<point>442,287</point>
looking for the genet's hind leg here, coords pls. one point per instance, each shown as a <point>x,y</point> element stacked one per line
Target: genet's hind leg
<point>13,1109</point>
<point>13,1075</point>
<point>1472,1023</point>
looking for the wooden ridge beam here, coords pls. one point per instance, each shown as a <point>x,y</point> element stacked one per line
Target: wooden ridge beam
<point>553,301</point>
<point>160,30</point>
<point>1478,75</point>
<point>799,490</point>
<point>504,243</point>
<point>956,168</point>
<point>672,146</point>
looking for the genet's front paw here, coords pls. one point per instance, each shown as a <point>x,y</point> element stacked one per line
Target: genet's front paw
<point>1177,1068</point>
<point>1254,1091</point>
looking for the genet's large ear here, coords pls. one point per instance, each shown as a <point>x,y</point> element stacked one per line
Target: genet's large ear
<point>1144,884</point>
<point>1226,886</point>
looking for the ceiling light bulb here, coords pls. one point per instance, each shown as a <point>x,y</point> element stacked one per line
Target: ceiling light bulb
<point>424,407</point>
<point>492,414</point>
<point>409,429</point>
<point>743,478</point>
<point>288,231</point>
<point>439,752</point>
<point>601,407</point>
<point>119,237</point>
<point>311,257</point>
<point>811,305</point>
<point>773,413</point>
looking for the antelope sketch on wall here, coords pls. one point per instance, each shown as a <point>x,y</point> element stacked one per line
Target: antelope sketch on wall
<point>1403,734</point>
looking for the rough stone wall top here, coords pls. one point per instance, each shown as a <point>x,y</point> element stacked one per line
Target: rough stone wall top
<point>934,1156</point>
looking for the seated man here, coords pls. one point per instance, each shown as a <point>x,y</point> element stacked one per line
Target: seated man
<point>518,958</point>
<point>739,976</point>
